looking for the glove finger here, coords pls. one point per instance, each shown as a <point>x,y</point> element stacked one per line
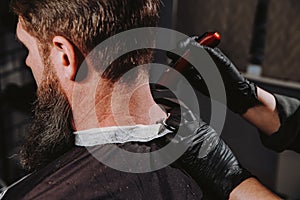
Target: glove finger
<point>181,49</point>
<point>185,43</point>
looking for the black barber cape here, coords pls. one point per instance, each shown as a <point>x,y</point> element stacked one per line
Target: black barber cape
<point>78,175</point>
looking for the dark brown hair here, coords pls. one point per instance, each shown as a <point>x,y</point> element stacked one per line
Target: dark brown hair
<point>86,23</point>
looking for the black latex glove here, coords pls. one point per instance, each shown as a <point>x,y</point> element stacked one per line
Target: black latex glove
<point>208,160</point>
<point>241,93</point>
<point>217,173</point>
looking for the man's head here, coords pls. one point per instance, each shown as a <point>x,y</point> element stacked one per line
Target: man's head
<point>84,23</point>
<point>59,34</point>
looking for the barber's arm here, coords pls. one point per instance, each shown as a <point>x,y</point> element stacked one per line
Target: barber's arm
<point>277,117</point>
<point>218,172</point>
<point>287,135</point>
<point>208,160</point>
<point>252,189</point>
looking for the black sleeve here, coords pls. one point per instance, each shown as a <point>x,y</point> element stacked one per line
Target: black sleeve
<point>288,135</point>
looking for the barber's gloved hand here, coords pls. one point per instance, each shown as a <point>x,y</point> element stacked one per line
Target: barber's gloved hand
<point>241,93</point>
<point>208,160</point>
<point>212,164</point>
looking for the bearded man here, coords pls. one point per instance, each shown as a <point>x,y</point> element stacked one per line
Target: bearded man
<point>78,108</point>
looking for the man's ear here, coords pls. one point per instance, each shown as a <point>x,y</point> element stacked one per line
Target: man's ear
<point>65,55</point>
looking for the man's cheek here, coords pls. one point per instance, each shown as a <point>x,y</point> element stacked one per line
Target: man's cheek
<point>37,69</point>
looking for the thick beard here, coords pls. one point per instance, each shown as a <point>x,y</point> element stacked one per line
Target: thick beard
<point>50,134</point>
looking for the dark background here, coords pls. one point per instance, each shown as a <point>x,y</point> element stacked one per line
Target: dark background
<point>278,52</point>
<point>13,112</point>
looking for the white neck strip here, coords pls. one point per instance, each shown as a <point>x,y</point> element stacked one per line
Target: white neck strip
<point>119,134</point>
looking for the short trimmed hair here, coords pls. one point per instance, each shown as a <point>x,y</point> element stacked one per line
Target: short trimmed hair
<point>86,23</point>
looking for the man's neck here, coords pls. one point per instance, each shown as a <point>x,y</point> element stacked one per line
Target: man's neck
<point>121,107</point>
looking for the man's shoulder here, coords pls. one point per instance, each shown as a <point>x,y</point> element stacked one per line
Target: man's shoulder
<point>78,174</point>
